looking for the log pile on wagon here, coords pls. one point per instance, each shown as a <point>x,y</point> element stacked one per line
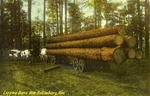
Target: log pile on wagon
<point>106,44</point>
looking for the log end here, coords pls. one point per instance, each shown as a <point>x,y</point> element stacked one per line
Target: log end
<point>119,40</point>
<point>119,55</point>
<point>131,53</point>
<point>132,42</point>
<point>122,30</point>
<point>139,54</point>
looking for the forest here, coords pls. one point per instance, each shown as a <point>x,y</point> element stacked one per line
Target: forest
<point>61,17</point>
<point>89,35</point>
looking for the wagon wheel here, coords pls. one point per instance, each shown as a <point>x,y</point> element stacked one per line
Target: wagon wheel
<point>81,65</point>
<point>52,59</point>
<point>71,61</point>
<point>44,59</point>
<point>48,58</point>
<point>75,64</point>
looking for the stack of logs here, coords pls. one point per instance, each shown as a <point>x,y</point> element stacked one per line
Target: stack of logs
<point>105,44</point>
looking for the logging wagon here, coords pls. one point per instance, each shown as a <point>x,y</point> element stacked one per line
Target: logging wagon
<point>102,44</point>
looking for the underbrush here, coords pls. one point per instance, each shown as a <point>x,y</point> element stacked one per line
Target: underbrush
<point>135,72</point>
<point>131,67</point>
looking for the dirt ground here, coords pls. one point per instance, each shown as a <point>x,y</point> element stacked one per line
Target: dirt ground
<point>18,78</point>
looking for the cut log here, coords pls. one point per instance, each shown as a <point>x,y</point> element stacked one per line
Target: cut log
<point>119,40</point>
<point>131,53</point>
<point>119,55</point>
<point>130,41</point>
<point>52,68</point>
<point>89,34</point>
<point>139,54</point>
<point>105,54</point>
<point>104,41</point>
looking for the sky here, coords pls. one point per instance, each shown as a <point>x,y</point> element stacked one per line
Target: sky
<point>37,8</point>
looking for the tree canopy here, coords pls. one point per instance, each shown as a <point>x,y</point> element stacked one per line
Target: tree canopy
<point>68,17</point>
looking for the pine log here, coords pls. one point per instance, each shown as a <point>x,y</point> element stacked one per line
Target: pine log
<point>139,54</point>
<point>52,68</point>
<point>104,41</point>
<point>130,41</point>
<point>119,55</point>
<point>105,54</point>
<point>89,34</point>
<point>131,53</point>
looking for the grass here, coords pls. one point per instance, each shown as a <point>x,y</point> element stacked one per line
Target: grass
<point>130,79</point>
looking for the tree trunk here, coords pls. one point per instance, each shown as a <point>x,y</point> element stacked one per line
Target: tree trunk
<point>61,17</point>
<point>130,41</point>
<point>147,18</point>
<point>1,28</point>
<point>29,21</point>
<point>89,34</point>
<point>139,26</point>
<point>99,17</point>
<point>19,26</point>
<point>57,18</point>
<point>106,14</point>
<point>44,42</point>
<point>12,35</point>
<point>16,31</point>
<point>95,15</point>
<point>66,31</point>
<point>105,54</point>
<point>103,41</point>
